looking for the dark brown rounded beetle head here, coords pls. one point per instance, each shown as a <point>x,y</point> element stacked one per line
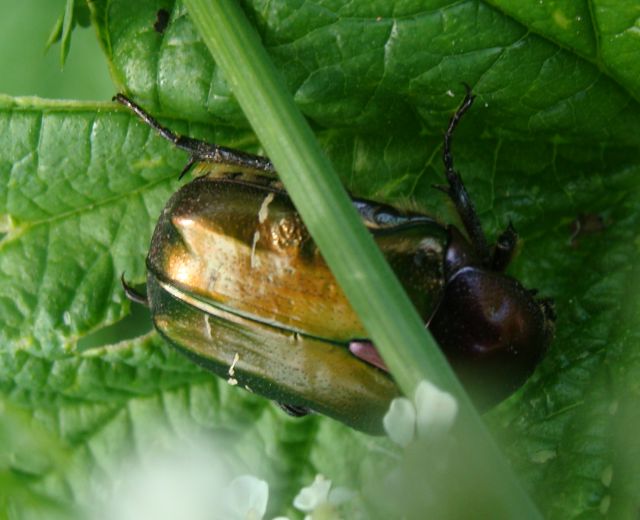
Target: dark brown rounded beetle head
<point>492,330</point>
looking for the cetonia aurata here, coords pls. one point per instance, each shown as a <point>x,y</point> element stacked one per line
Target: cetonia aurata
<point>237,284</point>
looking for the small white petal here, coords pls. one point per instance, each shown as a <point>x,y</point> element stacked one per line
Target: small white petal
<point>436,410</point>
<point>400,421</point>
<point>246,498</point>
<point>312,496</point>
<point>340,495</point>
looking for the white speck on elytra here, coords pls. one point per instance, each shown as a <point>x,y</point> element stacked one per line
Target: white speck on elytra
<point>232,381</point>
<point>207,326</point>
<point>263,212</point>
<point>256,237</point>
<point>232,368</point>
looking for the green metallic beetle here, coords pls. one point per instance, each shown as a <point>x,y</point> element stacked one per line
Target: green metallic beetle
<point>237,284</point>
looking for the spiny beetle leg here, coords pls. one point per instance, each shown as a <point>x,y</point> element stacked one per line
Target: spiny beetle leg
<point>199,150</point>
<point>456,189</point>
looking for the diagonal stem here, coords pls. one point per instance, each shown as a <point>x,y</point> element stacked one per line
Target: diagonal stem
<point>372,288</point>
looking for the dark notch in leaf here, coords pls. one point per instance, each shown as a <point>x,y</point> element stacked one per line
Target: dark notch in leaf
<point>162,20</point>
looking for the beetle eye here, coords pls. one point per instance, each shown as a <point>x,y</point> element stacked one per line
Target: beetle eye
<point>492,330</point>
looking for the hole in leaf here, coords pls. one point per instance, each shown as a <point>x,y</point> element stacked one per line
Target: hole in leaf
<point>137,323</point>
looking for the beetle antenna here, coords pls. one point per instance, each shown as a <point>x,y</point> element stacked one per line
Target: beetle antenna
<point>200,150</point>
<point>456,189</point>
<point>132,294</point>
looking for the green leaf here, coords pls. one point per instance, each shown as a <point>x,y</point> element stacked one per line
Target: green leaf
<point>602,32</point>
<point>368,65</point>
<point>552,138</point>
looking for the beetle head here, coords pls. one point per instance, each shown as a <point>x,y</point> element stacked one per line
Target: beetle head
<point>492,330</point>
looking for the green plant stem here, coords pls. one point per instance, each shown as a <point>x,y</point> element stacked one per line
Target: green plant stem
<point>348,248</point>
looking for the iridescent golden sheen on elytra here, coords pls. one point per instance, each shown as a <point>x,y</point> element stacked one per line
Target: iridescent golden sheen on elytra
<point>233,270</point>
<point>242,246</point>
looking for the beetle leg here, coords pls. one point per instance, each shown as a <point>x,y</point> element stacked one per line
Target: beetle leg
<point>456,189</point>
<point>504,248</point>
<point>294,411</point>
<point>548,308</point>
<point>199,150</point>
<point>132,294</point>
<point>187,167</point>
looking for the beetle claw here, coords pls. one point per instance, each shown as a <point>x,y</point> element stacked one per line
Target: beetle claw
<point>293,410</point>
<point>132,294</point>
<point>187,167</point>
